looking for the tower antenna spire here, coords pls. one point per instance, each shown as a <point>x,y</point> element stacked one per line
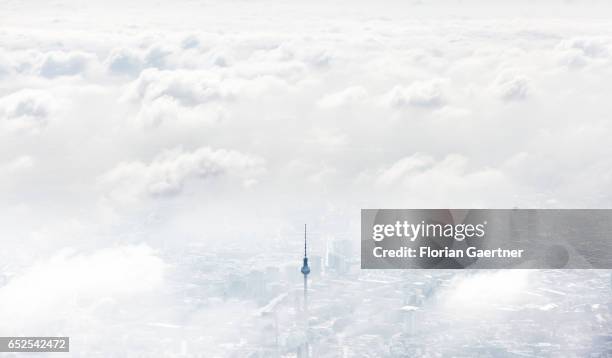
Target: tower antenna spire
<point>305,255</point>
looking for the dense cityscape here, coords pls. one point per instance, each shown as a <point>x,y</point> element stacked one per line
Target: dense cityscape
<point>400,313</point>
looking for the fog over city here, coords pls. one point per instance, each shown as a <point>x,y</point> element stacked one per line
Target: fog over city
<point>158,162</point>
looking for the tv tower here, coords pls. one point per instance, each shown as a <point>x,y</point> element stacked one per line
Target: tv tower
<point>305,271</point>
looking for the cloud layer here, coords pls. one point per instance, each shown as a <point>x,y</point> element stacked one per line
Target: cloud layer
<point>155,128</point>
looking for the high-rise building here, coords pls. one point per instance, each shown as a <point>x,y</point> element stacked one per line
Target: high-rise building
<point>337,255</point>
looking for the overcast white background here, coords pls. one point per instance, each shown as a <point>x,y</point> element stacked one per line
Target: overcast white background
<point>126,128</point>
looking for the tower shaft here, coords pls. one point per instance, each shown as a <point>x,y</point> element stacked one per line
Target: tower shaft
<point>305,271</point>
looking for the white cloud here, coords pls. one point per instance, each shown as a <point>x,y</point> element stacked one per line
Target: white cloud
<point>347,96</point>
<point>189,88</point>
<point>62,63</point>
<point>594,47</point>
<point>27,109</point>
<point>426,94</point>
<point>578,52</point>
<point>404,167</point>
<point>158,56</point>
<point>470,294</point>
<point>169,109</point>
<point>192,95</point>
<point>512,87</point>
<point>185,96</point>
<point>6,64</point>
<point>19,164</point>
<point>429,182</point>
<point>191,41</point>
<point>51,291</point>
<point>167,173</point>
<point>124,61</point>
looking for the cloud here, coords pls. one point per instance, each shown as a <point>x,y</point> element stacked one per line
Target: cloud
<point>479,294</point>
<point>185,96</point>
<point>428,182</point>
<point>6,64</point>
<point>27,109</point>
<point>425,94</point>
<point>124,61</point>
<point>593,47</point>
<point>189,88</point>
<point>158,56</point>
<point>578,52</point>
<point>51,291</point>
<point>347,96</point>
<point>192,95</point>
<point>315,56</point>
<point>167,174</point>
<point>62,63</point>
<point>405,166</point>
<point>510,86</point>
<point>191,41</point>
<point>168,109</point>
<point>319,57</point>
<point>19,164</point>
